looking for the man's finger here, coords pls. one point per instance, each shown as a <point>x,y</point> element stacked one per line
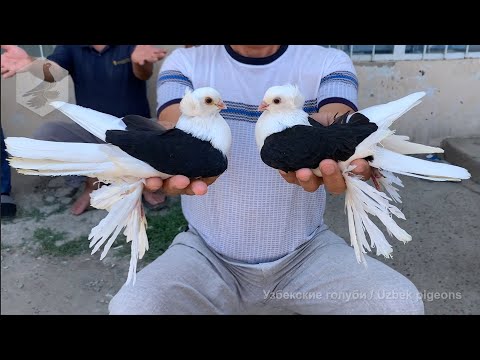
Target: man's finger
<point>178,182</point>
<point>307,180</point>
<point>159,52</point>
<point>196,187</point>
<point>199,187</point>
<point>362,168</point>
<point>8,74</point>
<point>332,177</point>
<point>289,177</point>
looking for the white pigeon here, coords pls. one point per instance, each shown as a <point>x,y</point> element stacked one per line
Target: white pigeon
<point>136,148</point>
<point>289,139</point>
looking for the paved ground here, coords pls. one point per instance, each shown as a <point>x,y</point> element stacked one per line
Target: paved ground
<point>464,151</point>
<point>442,259</point>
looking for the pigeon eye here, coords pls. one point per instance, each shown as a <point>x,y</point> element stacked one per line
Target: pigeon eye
<point>276,100</point>
<point>208,100</point>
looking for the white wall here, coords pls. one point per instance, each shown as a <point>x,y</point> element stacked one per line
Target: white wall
<point>450,108</point>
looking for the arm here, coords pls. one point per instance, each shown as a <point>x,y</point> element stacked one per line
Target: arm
<point>143,58</point>
<point>15,60</point>
<point>169,116</point>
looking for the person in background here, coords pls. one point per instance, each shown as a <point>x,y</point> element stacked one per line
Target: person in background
<point>107,78</point>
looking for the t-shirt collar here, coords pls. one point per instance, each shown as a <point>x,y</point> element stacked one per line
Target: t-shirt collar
<point>256,61</point>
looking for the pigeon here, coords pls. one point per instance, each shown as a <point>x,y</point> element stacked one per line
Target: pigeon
<point>288,140</point>
<point>135,148</point>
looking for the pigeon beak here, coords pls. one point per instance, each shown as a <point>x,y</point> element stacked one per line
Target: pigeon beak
<point>221,105</point>
<point>263,106</point>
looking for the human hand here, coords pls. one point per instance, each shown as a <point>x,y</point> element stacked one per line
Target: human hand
<point>14,60</point>
<point>332,176</point>
<point>147,53</point>
<point>180,185</point>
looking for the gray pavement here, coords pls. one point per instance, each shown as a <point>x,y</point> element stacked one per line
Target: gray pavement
<point>443,258</point>
<point>464,151</point>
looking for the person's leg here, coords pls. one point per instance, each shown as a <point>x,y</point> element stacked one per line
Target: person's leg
<point>187,279</point>
<point>327,279</point>
<point>65,132</point>
<point>8,206</point>
<point>71,132</point>
<point>83,201</point>
<point>6,176</point>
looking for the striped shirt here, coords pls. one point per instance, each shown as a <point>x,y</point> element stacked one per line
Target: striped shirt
<point>251,214</point>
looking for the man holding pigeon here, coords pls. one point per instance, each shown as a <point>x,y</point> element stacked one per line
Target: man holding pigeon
<point>257,242</point>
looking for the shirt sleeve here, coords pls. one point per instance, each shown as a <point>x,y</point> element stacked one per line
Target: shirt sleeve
<point>63,57</point>
<point>173,78</point>
<point>340,83</point>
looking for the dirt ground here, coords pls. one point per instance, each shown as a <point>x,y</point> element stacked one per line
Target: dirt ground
<point>63,281</point>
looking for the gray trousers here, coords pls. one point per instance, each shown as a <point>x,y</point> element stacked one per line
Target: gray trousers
<point>320,277</point>
<point>66,132</point>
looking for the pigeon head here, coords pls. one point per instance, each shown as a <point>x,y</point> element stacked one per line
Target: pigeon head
<point>201,118</point>
<point>203,102</point>
<point>279,99</point>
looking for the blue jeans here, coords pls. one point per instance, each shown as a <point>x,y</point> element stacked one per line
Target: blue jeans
<point>6,180</point>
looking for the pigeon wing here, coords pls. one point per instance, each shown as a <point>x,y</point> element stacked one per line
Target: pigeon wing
<point>306,146</point>
<point>173,152</point>
<point>140,123</point>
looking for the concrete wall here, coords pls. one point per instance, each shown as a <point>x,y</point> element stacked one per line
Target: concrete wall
<point>451,107</point>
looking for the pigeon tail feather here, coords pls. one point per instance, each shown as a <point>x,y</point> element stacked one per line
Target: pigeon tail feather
<point>95,122</point>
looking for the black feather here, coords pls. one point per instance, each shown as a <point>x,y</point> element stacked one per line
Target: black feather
<point>314,122</point>
<point>172,152</point>
<point>306,146</point>
<point>342,119</point>
<point>358,119</point>
<point>137,122</point>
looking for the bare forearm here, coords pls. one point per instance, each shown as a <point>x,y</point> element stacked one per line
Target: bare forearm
<point>169,116</point>
<point>143,72</point>
<point>326,113</point>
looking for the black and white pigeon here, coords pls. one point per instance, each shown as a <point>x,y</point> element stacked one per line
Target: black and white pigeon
<point>289,140</point>
<point>135,148</point>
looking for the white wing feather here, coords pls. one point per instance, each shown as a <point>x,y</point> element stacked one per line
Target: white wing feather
<point>401,145</point>
<point>95,122</point>
<point>122,198</point>
<point>389,156</point>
